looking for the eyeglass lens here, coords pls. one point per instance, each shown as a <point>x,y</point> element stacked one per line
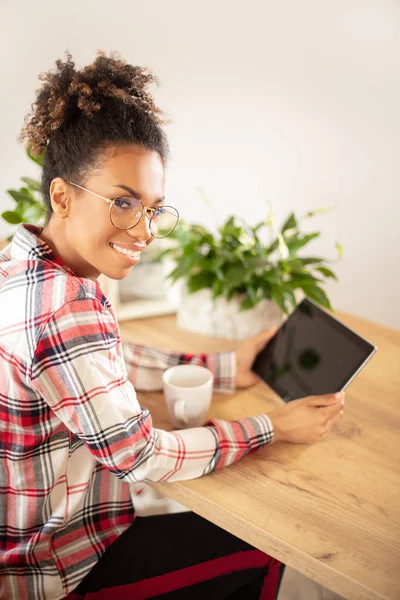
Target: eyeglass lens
<point>126,212</point>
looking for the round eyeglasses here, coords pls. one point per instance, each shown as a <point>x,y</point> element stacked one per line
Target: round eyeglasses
<point>126,212</point>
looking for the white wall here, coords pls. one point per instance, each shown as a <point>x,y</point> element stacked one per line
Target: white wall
<point>294,102</point>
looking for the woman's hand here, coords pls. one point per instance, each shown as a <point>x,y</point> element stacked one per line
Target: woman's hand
<point>307,420</point>
<point>246,354</point>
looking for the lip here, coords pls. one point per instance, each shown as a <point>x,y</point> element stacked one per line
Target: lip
<point>127,260</point>
<point>133,247</point>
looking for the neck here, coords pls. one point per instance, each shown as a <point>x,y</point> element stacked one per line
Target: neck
<point>54,235</point>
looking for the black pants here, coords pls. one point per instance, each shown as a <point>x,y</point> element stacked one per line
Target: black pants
<point>180,557</point>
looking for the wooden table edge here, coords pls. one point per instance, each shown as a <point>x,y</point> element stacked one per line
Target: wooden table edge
<point>323,573</point>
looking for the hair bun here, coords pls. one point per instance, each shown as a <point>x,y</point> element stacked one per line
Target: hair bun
<point>68,93</point>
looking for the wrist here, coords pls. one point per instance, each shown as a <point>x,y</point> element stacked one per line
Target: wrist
<point>276,425</point>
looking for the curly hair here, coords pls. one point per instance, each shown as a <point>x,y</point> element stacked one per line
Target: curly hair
<point>78,114</point>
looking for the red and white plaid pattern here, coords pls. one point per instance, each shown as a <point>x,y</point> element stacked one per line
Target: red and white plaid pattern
<point>72,432</point>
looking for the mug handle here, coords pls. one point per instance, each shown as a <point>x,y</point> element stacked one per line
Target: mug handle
<point>179,411</point>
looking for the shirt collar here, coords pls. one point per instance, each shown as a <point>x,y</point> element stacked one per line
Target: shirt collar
<point>27,245</point>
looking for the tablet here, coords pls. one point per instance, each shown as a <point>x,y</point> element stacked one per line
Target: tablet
<point>312,354</point>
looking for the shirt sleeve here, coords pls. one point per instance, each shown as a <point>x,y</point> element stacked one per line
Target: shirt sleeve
<point>146,366</point>
<point>79,370</point>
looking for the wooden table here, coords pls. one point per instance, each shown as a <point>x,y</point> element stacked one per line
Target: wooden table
<point>331,510</point>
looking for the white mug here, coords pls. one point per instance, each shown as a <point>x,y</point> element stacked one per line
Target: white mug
<point>188,392</point>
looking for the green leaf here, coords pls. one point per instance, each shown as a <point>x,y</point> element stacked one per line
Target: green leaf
<point>283,248</point>
<point>327,272</point>
<point>283,295</point>
<point>235,275</point>
<point>219,273</point>
<point>12,217</point>
<point>294,244</point>
<point>32,183</point>
<point>258,226</point>
<point>270,218</point>
<point>290,298</point>
<point>318,211</point>
<point>252,294</point>
<point>273,276</point>
<point>19,196</point>
<point>290,223</point>
<point>310,260</point>
<point>256,262</point>
<point>278,297</point>
<point>246,304</point>
<point>36,159</point>
<point>339,249</point>
<point>229,293</point>
<point>182,270</point>
<point>199,280</point>
<point>272,247</point>
<point>32,213</point>
<point>302,280</point>
<point>217,288</point>
<point>229,223</point>
<point>318,295</point>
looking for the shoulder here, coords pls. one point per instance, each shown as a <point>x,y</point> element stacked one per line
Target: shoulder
<point>45,287</point>
<point>43,295</point>
<point>66,294</point>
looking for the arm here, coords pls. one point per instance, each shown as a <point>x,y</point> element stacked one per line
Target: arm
<point>78,368</point>
<point>146,366</point>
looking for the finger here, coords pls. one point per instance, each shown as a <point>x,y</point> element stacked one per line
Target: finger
<point>335,419</point>
<point>264,337</point>
<point>329,411</point>
<point>244,380</point>
<point>326,400</point>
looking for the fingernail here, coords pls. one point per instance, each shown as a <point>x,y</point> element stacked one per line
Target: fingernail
<point>339,395</point>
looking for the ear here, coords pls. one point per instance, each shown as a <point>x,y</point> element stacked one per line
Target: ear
<point>60,196</point>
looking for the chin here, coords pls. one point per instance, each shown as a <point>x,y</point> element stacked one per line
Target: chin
<point>117,274</point>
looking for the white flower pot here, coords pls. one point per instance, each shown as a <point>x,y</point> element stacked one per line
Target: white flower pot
<point>198,312</point>
<point>146,280</point>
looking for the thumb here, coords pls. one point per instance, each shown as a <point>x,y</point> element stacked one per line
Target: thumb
<point>247,379</point>
<point>325,400</point>
<point>263,337</point>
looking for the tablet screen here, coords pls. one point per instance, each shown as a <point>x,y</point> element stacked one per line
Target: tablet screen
<point>311,354</point>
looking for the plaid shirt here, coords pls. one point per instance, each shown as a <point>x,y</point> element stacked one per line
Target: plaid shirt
<point>72,431</point>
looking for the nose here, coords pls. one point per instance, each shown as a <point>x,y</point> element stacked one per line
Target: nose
<point>141,229</point>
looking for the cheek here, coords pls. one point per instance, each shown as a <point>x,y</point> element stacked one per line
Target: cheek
<point>90,231</point>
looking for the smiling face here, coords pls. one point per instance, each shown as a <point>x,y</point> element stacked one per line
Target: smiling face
<point>80,230</point>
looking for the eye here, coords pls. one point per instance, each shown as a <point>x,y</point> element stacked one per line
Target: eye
<point>159,213</point>
<point>125,204</point>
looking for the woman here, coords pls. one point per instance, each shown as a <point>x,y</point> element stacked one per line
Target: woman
<point>72,432</point>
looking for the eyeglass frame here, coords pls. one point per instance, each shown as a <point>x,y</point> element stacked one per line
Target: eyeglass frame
<point>145,209</point>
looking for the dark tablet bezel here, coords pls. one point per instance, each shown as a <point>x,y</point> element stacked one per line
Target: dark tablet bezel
<point>364,345</point>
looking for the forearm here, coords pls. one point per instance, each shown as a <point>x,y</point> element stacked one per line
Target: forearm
<point>191,453</point>
<point>145,366</point>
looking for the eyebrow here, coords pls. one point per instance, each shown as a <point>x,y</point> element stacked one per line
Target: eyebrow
<point>136,194</point>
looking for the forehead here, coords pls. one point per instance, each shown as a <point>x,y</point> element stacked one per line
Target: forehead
<point>140,169</point>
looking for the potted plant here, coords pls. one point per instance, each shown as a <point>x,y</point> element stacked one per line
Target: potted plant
<point>28,206</point>
<point>235,283</point>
